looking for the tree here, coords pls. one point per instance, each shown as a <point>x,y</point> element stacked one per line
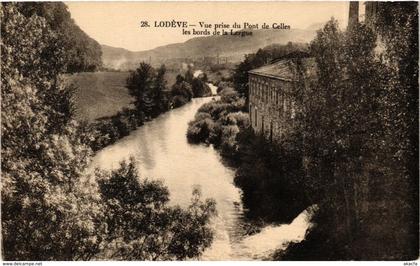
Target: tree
<point>142,227</point>
<point>45,196</point>
<point>139,83</point>
<point>159,89</point>
<point>147,86</point>
<point>181,92</point>
<point>397,25</point>
<point>189,75</point>
<point>349,153</point>
<point>199,87</point>
<point>82,52</point>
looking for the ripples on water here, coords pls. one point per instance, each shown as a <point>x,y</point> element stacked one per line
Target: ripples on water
<point>161,149</point>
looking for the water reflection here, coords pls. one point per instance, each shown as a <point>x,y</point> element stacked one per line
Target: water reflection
<point>161,149</point>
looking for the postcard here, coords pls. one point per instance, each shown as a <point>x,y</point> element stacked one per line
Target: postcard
<point>209,131</point>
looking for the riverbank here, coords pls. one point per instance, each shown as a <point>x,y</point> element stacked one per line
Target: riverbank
<point>162,152</point>
<point>276,188</point>
<point>269,175</point>
<point>149,103</point>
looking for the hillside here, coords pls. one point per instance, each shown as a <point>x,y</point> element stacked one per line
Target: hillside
<point>101,94</point>
<point>82,53</point>
<point>231,48</point>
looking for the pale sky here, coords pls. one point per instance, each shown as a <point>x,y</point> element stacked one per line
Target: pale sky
<point>118,23</point>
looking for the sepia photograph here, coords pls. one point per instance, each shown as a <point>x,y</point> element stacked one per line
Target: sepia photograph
<point>209,131</point>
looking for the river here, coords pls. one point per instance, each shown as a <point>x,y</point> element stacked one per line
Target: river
<point>161,149</point>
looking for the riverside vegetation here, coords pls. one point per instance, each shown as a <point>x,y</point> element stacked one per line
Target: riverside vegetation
<point>52,209</point>
<point>148,87</point>
<point>358,160</point>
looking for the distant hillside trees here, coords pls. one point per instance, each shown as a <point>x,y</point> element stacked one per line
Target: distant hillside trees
<point>82,52</point>
<point>261,57</point>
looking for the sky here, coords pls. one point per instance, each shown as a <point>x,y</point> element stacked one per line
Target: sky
<point>118,23</point>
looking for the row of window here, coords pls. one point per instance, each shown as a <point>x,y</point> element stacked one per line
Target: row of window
<point>267,94</point>
<point>271,129</point>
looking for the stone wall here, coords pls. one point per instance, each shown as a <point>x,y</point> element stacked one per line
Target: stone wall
<point>271,107</point>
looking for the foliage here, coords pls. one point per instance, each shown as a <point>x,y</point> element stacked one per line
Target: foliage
<point>219,122</point>
<point>108,130</point>
<point>82,52</point>
<point>363,163</point>
<point>270,176</point>
<point>261,57</point>
<point>199,87</point>
<point>148,85</point>
<point>141,225</point>
<point>181,92</point>
<point>45,197</point>
<point>52,209</point>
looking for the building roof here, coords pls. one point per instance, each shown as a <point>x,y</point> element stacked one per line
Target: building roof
<point>284,69</point>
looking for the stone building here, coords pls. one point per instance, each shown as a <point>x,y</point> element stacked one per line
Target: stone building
<point>271,103</point>
<point>272,106</point>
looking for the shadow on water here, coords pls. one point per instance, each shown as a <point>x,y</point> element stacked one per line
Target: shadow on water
<point>161,149</point>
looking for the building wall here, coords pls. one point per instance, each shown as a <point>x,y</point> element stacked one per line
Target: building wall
<point>271,108</point>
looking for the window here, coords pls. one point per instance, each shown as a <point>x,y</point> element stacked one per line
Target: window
<point>284,104</point>
<point>292,110</point>
<point>256,117</point>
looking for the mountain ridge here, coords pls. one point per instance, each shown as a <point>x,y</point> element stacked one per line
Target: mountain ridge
<point>231,48</point>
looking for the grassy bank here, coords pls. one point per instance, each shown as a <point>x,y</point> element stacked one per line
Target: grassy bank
<point>104,94</point>
<point>267,174</point>
<point>104,104</point>
<point>100,94</point>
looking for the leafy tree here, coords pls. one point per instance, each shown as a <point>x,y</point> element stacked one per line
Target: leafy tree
<point>142,227</point>
<point>139,83</point>
<point>349,153</point>
<point>82,52</point>
<point>147,86</point>
<point>159,89</point>
<point>199,87</point>
<point>189,75</point>
<point>397,26</point>
<point>45,197</point>
<point>181,92</point>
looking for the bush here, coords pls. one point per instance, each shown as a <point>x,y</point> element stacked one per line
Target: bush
<point>200,130</point>
<point>107,130</point>
<point>200,88</point>
<point>219,122</point>
<point>179,100</point>
<point>141,225</point>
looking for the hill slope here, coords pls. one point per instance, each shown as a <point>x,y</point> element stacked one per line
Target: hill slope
<point>231,47</point>
<point>100,94</point>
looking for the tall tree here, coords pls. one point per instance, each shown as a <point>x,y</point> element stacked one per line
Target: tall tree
<point>45,197</point>
<point>139,84</point>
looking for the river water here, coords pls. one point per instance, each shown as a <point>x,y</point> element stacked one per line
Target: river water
<point>161,149</point>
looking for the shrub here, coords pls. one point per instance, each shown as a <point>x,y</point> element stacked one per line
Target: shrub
<point>141,225</point>
<point>179,100</point>
<point>199,131</point>
<point>219,122</point>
